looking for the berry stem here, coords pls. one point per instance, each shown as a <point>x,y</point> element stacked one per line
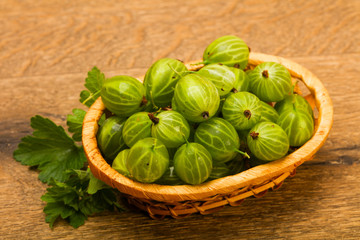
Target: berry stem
<point>234,90</point>
<point>247,114</point>
<point>254,135</point>
<point>154,119</point>
<point>152,99</point>
<point>167,108</point>
<point>265,74</point>
<point>205,115</point>
<point>242,153</point>
<point>179,73</point>
<point>143,102</point>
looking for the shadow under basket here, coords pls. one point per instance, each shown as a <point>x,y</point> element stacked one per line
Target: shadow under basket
<point>179,201</point>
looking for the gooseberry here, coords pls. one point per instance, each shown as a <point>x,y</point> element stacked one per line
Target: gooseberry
<point>136,127</point>
<point>170,178</point>
<point>268,113</point>
<point>298,125</point>
<point>160,80</point>
<point>228,50</point>
<point>219,170</point>
<point>268,141</point>
<point>148,160</point>
<point>220,138</point>
<point>242,109</point>
<point>192,163</point>
<point>291,101</point>
<point>123,95</point>
<point>221,75</point>
<point>119,163</point>
<point>110,138</point>
<point>170,127</point>
<point>196,98</point>
<point>242,82</point>
<point>270,81</point>
<point>237,164</point>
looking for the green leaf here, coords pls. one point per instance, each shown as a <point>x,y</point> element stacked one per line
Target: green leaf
<point>50,149</point>
<point>74,122</point>
<point>70,200</point>
<point>77,219</point>
<point>95,184</point>
<point>55,210</point>
<point>93,83</point>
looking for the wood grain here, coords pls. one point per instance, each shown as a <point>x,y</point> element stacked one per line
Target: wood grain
<point>52,38</point>
<point>47,47</point>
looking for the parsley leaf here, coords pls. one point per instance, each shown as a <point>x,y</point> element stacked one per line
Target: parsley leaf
<point>50,149</point>
<point>96,185</point>
<point>74,122</point>
<point>74,194</point>
<point>93,83</point>
<point>71,200</point>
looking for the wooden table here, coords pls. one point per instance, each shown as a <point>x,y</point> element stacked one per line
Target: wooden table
<point>47,47</point>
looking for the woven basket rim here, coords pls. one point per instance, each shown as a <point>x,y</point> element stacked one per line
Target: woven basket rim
<point>251,177</point>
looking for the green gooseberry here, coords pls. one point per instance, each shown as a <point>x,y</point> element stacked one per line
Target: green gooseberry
<point>270,81</point>
<point>221,75</point>
<point>228,50</point>
<point>256,162</point>
<point>170,178</point>
<point>171,152</point>
<point>119,163</point>
<point>160,80</point>
<point>242,82</point>
<point>136,127</point>
<point>298,125</point>
<point>149,107</point>
<point>248,72</point>
<point>219,170</point>
<point>242,109</point>
<point>123,95</point>
<point>268,114</point>
<point>291,101</point>
<point>219,111</point>
<point>110,138</point>
<point>236,165</point>
<point>193,126</point>
<point>196,98</point>
<point>192,163</point>
<point>268,141</point>
<point>148,160</point>
<point>220,138</point>
<point>243,137</point>
<point>170,127</point>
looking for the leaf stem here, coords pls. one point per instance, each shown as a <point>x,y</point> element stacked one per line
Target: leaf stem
<point>90,97</point>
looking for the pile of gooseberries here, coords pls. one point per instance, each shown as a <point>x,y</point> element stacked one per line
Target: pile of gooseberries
<point>187,127</point>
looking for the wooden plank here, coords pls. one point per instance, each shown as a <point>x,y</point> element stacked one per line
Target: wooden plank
<point>63,38</point>
<point>47,47</point>
<point>303,207</point>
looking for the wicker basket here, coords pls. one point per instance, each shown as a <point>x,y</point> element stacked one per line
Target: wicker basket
<point>179,201</point>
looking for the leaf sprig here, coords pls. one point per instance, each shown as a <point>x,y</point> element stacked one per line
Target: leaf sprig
<point>50,149</point>
<point>74,193</point>
<point>80,196</point>
<point>93,83</point>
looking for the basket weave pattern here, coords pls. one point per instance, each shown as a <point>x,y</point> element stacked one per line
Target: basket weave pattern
<point>180,201</point>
